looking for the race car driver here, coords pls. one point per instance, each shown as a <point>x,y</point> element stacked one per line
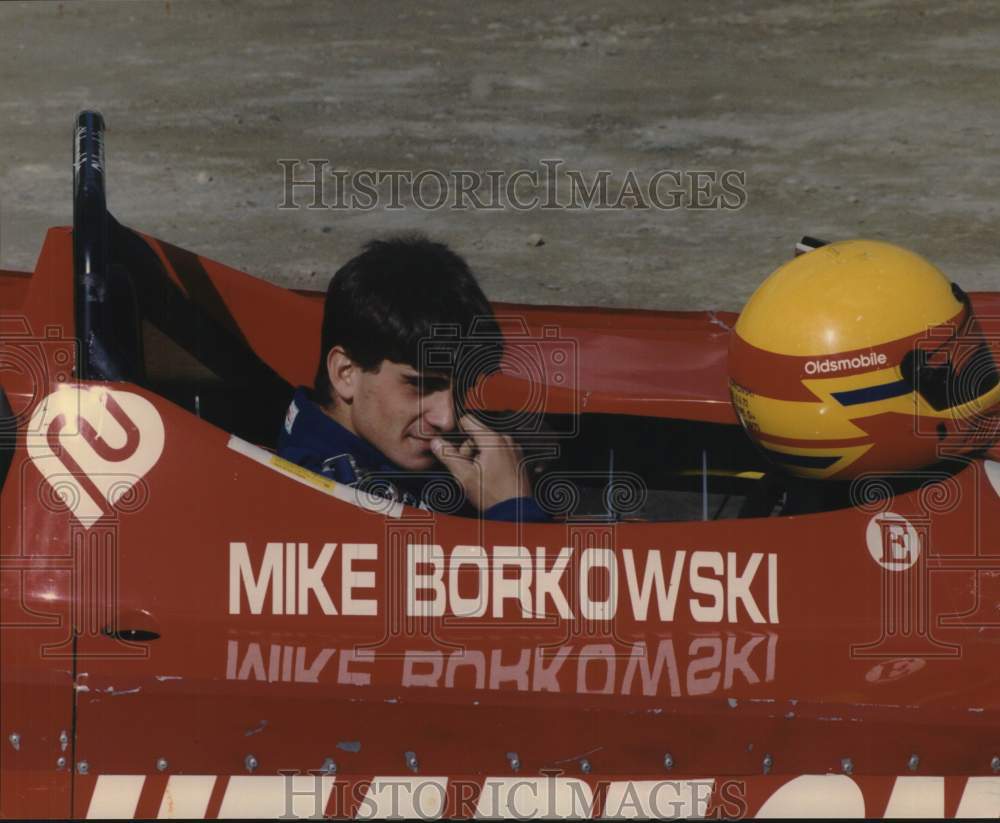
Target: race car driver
<point>402,321</point>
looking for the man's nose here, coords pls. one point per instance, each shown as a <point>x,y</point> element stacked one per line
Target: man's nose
<point>439,410</point>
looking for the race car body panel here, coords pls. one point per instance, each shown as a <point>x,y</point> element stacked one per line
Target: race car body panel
<point>676,359</point>
<point>13,287</point>
<point>278,626</point>
<point>37,660</point>
<point>312,621</point>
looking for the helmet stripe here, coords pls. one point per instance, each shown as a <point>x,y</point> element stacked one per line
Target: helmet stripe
<point>870,394</point>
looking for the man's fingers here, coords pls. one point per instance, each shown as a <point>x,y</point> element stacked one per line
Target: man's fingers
<point>490,476</point>
<point>444,450</point>
<point>461,466</point>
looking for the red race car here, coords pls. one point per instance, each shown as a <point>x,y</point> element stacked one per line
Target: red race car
<point>192,627</point>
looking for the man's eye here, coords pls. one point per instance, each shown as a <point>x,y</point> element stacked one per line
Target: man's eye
<point>433,384</point>
<point>427,385</point>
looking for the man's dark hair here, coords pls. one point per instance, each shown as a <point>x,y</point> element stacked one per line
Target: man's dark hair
<point>409,300</point>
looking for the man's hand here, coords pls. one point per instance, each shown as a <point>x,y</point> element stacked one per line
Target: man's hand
<point>486,464</point>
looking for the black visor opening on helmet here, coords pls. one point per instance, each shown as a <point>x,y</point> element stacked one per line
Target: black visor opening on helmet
<point>956,370</point>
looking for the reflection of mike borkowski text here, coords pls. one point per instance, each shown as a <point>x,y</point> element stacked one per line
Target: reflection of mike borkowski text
<point>551,186</point>
<point>666,666</point>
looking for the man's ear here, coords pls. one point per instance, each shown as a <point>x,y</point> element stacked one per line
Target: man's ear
<point>343,373</point>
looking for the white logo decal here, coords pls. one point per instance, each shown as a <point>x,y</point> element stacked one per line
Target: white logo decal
<point>293,412</point>
<point>993,474</point>
<point>861,361</point>
<point>93,445</point>
<point>892,541</point>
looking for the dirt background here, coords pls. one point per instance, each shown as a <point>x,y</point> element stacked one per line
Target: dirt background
<point>862,118</point>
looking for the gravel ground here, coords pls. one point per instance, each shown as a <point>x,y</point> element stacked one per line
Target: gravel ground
<point>860,118</point>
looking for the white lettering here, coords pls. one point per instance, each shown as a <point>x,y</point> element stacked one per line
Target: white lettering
<point>916,797</point>
<point>598,609</point>
<point>740,660</point>
<point>348,656</point>
<point>426,555</point>
<point>704,685</point>
<point>836,795</point>
<point>273,664</point>
<point>639,593</point>
<point>651,677</point>
<point>518,673</point>
<point>431,660</point>
<point>475,660</point>
<point>738,587</point>
<point>459,583</point>
<point>290,550</point>
<point>518,558</point>
<point>474,556</point>
<point>772,587</point>
<point>351,579</point>
<point>981,798</point>
<point>599,653</point>
<point>546,678</point>
<point>547,583</point>
<point>862,361</point>
<point>241,571</point>
<point>310,674</point>
<point>311,578</point>
<point>707,586</point>
<point>253,664</point>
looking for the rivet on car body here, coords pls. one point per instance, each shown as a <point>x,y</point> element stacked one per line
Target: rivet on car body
<point>329,766</point>
<point>63,740</point>
<point>995,763</point>
<point>668,761</point>
<point>514,760</point>
<point>585,766</point>
<point>847,765</point>
<point>768,763</point>
<point>411,761</point>
<point>61,763</point>
<point>161,764</point>
<point>83,767</point>
<point>914,762</point>
<point>15,741</point>
<point>250,762</point>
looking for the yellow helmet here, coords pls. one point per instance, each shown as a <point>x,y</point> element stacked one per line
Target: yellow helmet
<point>861,356</point>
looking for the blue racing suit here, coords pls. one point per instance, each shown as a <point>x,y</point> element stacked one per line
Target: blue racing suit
<point>312,439</point>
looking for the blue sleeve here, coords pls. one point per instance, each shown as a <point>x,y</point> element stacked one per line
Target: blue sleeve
<point>518,509</point>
